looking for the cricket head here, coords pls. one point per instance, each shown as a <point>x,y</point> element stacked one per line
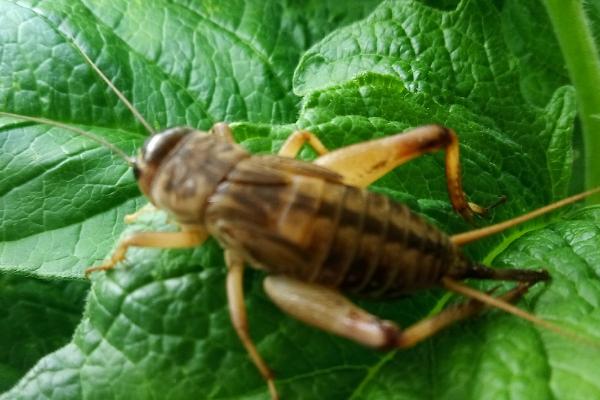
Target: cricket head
<point>155,150</point>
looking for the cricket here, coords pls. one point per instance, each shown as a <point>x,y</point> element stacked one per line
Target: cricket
<point>315,229</point>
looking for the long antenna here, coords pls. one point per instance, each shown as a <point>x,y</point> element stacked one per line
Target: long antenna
<point>471,236</point>
<point>120,95</point>
<point>129,160</point>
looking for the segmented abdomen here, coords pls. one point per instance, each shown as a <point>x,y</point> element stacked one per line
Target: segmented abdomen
<point>330,233</point>
<point>379,247</point>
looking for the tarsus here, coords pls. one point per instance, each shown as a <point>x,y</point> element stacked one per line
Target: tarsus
<point>471,236</point>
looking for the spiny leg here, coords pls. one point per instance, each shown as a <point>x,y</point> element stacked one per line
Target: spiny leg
<point>296,140</point>
<point>363,163</point>
<point>237,311</point>
<point>162,240</point>
<point>327,309</point>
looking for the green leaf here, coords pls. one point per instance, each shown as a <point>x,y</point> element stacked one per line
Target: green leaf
<point>38,317</point>
<point>158,325</point>
<point>417,65</point>
<point>530,37</point>
<point>446,54</point>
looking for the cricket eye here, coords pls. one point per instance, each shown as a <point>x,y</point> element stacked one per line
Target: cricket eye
<point>158,146</point>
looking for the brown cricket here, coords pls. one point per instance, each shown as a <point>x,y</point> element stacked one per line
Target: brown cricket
<point>315,229</point>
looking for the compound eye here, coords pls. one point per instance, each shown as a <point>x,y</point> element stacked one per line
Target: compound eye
<point>161,144</point>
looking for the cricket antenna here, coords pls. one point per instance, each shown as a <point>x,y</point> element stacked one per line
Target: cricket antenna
<point>503,305</point>
<point>120,95</point>
<point>471,236</point>
<point>129,160</point>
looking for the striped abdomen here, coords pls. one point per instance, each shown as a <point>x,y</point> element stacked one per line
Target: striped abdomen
<point>380,247</point>
<point>324,231</point>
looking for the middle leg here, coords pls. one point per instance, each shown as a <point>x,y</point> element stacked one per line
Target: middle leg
<point>237,312</point>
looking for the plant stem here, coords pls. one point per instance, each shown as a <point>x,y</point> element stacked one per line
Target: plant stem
<point>581,56</point>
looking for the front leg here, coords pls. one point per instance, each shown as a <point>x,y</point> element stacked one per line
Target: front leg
<point>161,240</point>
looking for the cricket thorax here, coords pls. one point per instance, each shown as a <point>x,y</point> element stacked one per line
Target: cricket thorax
<point>188,176</point>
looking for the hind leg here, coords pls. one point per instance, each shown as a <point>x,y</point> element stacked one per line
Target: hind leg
<point>329,310</point>
<point>363,163</point>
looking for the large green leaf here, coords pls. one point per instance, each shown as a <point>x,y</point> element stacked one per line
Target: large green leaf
<point>157,326</point>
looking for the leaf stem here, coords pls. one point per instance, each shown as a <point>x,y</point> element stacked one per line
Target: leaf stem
<point>581,56</point>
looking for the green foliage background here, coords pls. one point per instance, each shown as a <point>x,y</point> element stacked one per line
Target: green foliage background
<point>157,326</point>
